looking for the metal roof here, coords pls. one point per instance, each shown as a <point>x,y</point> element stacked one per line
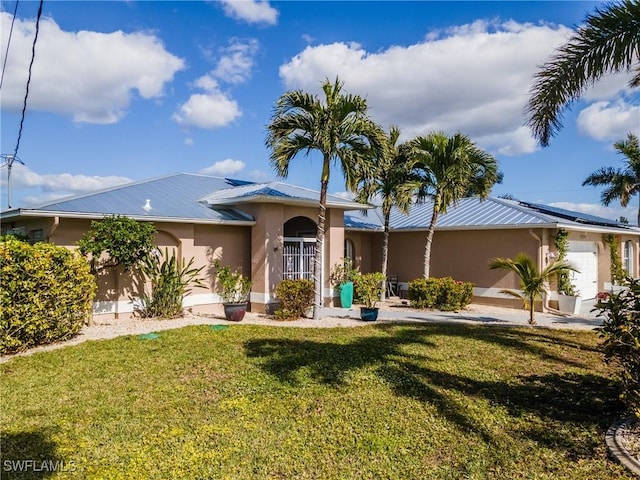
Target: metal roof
<point>277,192</point>
<point>171,198</point>
<point>476,213</point>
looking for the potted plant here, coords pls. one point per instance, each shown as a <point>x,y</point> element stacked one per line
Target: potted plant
<point>569,300</point>
<point>369,289</point>
<point>341,277</point>
<point>234,288</point>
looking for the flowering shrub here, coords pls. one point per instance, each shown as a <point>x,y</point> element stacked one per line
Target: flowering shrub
<point>442,293</point>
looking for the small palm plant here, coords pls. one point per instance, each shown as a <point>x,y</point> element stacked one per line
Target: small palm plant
<point>533,283</point>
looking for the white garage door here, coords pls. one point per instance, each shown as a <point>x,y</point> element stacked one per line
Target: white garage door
<point>584,256</point>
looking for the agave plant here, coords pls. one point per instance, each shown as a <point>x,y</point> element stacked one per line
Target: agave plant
<point>533,283</point>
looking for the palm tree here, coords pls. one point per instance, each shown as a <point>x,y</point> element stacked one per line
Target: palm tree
<point>609,41</point>
<point>340,130</point>
<point>532,282</point>
<point>449,169</point>
<point>622,184</point>
<point>393,183</point>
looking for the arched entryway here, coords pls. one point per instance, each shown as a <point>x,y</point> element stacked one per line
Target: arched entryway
<point>299,248</point>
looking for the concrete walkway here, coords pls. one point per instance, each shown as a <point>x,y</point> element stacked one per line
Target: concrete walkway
<point>585,320</point>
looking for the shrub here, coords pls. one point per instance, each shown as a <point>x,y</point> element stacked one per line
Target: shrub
<point>368,288</point>
<point>295,296</point>
<point>46,294</point>
<point>442,293</point>
<point>232,285</point>
<point>170,280</point>
<point>621,345</point>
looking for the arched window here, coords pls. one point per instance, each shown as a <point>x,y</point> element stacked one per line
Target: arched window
<point>627,257</point>
<point>349,250</point>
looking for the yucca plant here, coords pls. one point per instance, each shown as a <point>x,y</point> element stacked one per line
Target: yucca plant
<point>533,283</point>
<point>170,281</point>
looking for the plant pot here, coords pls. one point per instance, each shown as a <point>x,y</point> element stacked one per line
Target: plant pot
<point>346,294</point>
<point>235,311</point>
<point>369,314</point>
<point>569,304</point>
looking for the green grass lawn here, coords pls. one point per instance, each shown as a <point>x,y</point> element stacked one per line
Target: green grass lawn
<point>379,402</point>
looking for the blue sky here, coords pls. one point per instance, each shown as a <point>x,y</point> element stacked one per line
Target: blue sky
<point>125,91</point>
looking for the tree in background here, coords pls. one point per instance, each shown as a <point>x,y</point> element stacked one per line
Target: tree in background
<point>392,183</point>
<point>449,169</point>
<point>340,130</point>
<point>609,41</point>
<point>623,183</point>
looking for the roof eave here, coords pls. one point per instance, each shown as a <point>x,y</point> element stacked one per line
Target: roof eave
<point>141,218</point>
<point>297,202</point>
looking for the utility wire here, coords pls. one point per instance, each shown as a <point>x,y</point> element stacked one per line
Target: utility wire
<point>26,93</point>
<point>6,54</point>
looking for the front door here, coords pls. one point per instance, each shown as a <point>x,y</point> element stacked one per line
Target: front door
<point>298,256</point>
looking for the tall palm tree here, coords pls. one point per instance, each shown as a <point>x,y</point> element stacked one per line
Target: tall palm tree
<point>609,41</point>
<point>450,168</point>
<point>393,183</point>
<point>622,184</point>
<point>532,282</point>
<point>340,130</point>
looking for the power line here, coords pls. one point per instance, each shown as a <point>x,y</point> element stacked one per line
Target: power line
<point>26,93</point>
<point>6,54</point>
<point>11,158</point>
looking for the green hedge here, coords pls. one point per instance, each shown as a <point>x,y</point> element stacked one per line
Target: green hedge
<point>442,293</point>
<point>46,294</point>
<point>295,297</point>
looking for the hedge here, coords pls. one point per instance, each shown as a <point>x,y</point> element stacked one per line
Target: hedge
<point>46,294</point>
<point>442,293</point>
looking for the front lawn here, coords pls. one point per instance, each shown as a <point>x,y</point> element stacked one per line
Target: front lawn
<point>392,402</point>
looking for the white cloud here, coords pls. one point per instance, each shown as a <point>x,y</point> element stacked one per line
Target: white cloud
<point>224,167</point>
<point>609,120</point>
<point>56,185</point>
<point>473,78</point>
<point>611,212</point>
<point>90,76</point>
<point>251,11</point>
<point>215,108</point>
<point>188,142</point>
<point>209,110</point>
<point>236,62</point>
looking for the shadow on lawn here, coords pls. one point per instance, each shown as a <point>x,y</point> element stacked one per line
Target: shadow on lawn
<point>571,399</point>
<point>27,455</point>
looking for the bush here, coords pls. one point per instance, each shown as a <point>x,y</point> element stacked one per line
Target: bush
<point>621,332</point>
<point>46,294</point>
<point>295,296</point>
<point>368,288</point>
<point>170,280</point>
<point>442,293</point>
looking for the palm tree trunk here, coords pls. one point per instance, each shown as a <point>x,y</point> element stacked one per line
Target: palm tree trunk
<point>532,320</point>
<point>318,258</point>
<point>638,219</point>
<point>385,251</point>
<point>432,229</point>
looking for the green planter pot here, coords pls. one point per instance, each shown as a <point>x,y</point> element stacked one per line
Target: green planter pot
<point>369,314</point>
<point>346,294</point>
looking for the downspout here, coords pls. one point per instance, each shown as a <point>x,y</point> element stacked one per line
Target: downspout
<point>53,228</point>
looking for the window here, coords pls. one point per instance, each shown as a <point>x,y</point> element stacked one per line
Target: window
<point>349,250</point>
<point>298,256</point>
<point>627,257</point>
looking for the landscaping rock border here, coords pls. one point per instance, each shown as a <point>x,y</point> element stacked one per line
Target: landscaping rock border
<point>616,445</point>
